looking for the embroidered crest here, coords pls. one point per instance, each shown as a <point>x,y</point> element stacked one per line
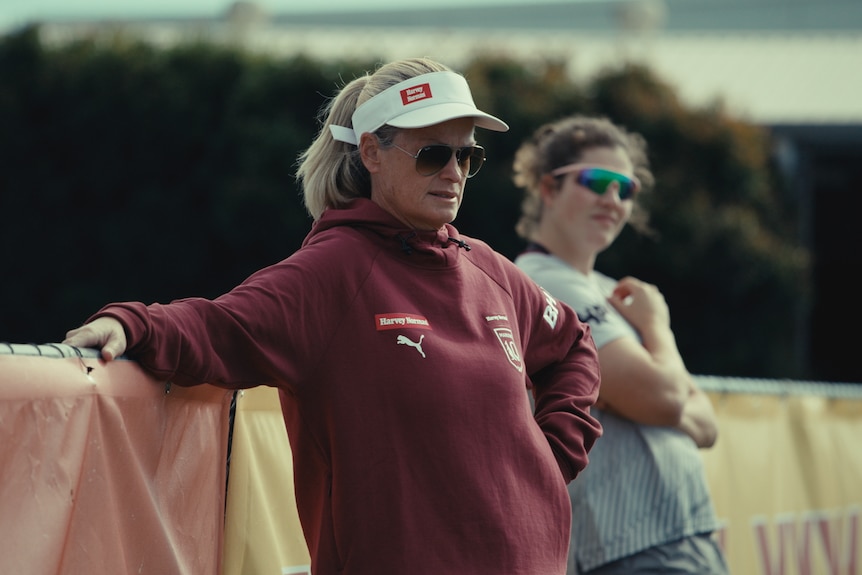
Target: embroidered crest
<point>507,340</point>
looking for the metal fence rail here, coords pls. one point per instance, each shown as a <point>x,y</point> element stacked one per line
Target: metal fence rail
<point>779,387</point>
<point>47,350</point>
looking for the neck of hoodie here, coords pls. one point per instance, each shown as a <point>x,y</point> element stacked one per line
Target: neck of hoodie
<point>437,248</point>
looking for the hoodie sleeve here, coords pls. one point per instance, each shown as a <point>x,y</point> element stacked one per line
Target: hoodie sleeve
<point>562,363</point>
<point>269,330</point>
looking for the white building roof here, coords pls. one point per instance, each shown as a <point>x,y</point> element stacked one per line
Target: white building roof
<point>767,78</point>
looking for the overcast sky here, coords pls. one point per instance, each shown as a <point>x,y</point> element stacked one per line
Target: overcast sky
<point>17,12</point>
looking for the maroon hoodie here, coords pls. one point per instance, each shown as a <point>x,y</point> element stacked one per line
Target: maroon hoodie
<point>403,361</point>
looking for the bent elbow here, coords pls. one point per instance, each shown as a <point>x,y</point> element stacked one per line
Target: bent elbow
<point>671,408</point>
<point>707,437</point>
<point>664,414</point>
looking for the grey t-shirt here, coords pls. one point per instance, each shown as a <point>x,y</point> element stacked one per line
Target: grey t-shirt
<point>644,485</point>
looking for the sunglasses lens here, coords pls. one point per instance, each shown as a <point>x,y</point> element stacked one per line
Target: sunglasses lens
<point>598,180</point>
<point>432,159</point>
<point>475,157</point>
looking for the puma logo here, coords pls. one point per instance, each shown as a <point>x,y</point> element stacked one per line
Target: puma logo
<point>403,339</point>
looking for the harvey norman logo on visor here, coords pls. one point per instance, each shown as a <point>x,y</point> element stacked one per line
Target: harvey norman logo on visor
<point>415,93</point>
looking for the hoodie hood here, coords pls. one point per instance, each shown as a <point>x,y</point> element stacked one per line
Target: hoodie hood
<point>443,246</point>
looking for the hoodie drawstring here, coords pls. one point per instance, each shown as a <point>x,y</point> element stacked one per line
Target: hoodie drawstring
<point>405,247</point>
<point>461,244</point>
<point>408,249</point>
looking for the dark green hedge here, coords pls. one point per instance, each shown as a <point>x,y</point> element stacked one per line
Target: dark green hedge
<point>133,172</point>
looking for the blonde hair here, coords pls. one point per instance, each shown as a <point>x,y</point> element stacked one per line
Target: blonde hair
<point>331,172</point>
<point>563,142</point>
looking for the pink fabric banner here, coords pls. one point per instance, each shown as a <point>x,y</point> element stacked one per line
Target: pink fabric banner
<point>103,470</point>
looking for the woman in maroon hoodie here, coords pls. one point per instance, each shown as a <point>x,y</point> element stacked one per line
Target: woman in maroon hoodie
<point>402,350</point>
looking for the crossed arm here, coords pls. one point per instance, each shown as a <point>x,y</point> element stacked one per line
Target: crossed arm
<point>649,383</point>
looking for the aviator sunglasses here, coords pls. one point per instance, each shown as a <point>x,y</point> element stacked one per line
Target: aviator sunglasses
<point>599,179</point>
<point>431,159</point>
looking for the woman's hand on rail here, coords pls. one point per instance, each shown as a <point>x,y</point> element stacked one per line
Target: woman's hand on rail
<point>104,333</point>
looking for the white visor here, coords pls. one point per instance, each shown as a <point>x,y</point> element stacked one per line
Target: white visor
<point>415,103</point>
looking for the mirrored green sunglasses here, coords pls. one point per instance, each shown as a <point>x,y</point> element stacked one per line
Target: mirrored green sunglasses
<point>599,179</point>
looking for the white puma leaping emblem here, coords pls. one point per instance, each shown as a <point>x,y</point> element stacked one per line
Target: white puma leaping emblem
<point>417,344</point>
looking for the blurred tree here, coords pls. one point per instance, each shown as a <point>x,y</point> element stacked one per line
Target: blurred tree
<point>724,247</point>
<point>525,97</point>
<point>726,254</point>
<point>136,172</point>
<point>132,172</point>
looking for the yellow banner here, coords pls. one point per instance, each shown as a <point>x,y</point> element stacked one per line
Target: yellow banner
<point>262,532</point>
<point>786,478</point>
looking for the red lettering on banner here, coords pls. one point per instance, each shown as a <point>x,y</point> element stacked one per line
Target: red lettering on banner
<point>795,540</point>
<point>828,544</point>
<point>853,536</point>
<point>384,321</point>
<point>721,536</point>
<point>768,563</point>
<point>415,94</point>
